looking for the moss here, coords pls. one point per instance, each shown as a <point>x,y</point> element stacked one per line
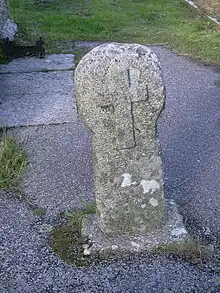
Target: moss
<point>191,250</point>
<point>3,57</point>
<point>217,82</point>
<point>68,244</point>
<point>39,212</point>
<point>186,249</point>
<point>67,241</point>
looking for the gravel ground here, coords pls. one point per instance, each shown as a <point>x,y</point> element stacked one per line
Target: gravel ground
<point>27,264</point>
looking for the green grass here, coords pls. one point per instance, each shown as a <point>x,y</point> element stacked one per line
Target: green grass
<point>13,162</point>
<point>169,22</point>
<point>3,57</point>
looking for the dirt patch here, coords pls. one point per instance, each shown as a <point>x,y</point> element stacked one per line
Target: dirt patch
<point>212,7</point>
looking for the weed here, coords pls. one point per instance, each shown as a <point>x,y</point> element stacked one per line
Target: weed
<point>13,162</point>
<point>3,57</point>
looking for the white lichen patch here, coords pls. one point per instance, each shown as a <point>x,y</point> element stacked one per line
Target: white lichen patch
<point>154,202</point>
<point>127,180</point>
<point>86,249</point>
<point>150,185</point>
<point>114,247</point>
<point>178,231</point>
<point>143,206</point>
<point>135,245</point>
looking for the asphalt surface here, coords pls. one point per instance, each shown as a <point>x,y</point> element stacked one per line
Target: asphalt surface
<point>60,178</point>
<point>189,132</point>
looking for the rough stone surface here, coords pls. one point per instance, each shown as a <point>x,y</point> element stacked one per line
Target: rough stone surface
<point>120,94</point>
<point>8,28</point>
<point>173,231</point>
<point>3,14</point>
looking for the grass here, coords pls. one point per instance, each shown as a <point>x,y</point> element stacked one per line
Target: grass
<point>217,82</point>
<point>169,22</point>
<point>3,57</point>
<point>13,162</point>
<point>67,241</point>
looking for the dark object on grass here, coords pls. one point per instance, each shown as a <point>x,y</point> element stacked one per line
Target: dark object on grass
<point>13,50</point>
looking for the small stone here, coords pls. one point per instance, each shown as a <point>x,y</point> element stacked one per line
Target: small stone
<point>178,231</point>
<point>45,228</point>
<point>114,247</point>
<point>8,27</point>
<point>135,245</point>
<point>86,249</point>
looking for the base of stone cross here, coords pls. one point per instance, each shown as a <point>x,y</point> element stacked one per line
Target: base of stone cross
<point>171,234</point>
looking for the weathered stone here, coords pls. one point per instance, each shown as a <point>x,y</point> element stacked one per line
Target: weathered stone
<point>8,28</point>
<point>120,94</point>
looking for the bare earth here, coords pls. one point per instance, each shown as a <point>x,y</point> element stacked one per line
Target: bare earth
<point>211,6</point>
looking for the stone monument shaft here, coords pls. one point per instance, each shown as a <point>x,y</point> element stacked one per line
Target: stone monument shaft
<point>120,95</point>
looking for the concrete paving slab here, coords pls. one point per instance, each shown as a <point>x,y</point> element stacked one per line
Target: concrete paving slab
<point>31,64</point>
<point>35,83</point>
<point>35,109</point>
<point>37,97</point>
<point>59,176</point>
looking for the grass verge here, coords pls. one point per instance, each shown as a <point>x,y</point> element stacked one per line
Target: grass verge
<point>169,22</point>
<point>13,162</point>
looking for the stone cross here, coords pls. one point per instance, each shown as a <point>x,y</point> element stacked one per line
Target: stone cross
<point>120,95</point>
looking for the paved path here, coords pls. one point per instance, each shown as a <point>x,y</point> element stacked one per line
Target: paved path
<point>37,103</point>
